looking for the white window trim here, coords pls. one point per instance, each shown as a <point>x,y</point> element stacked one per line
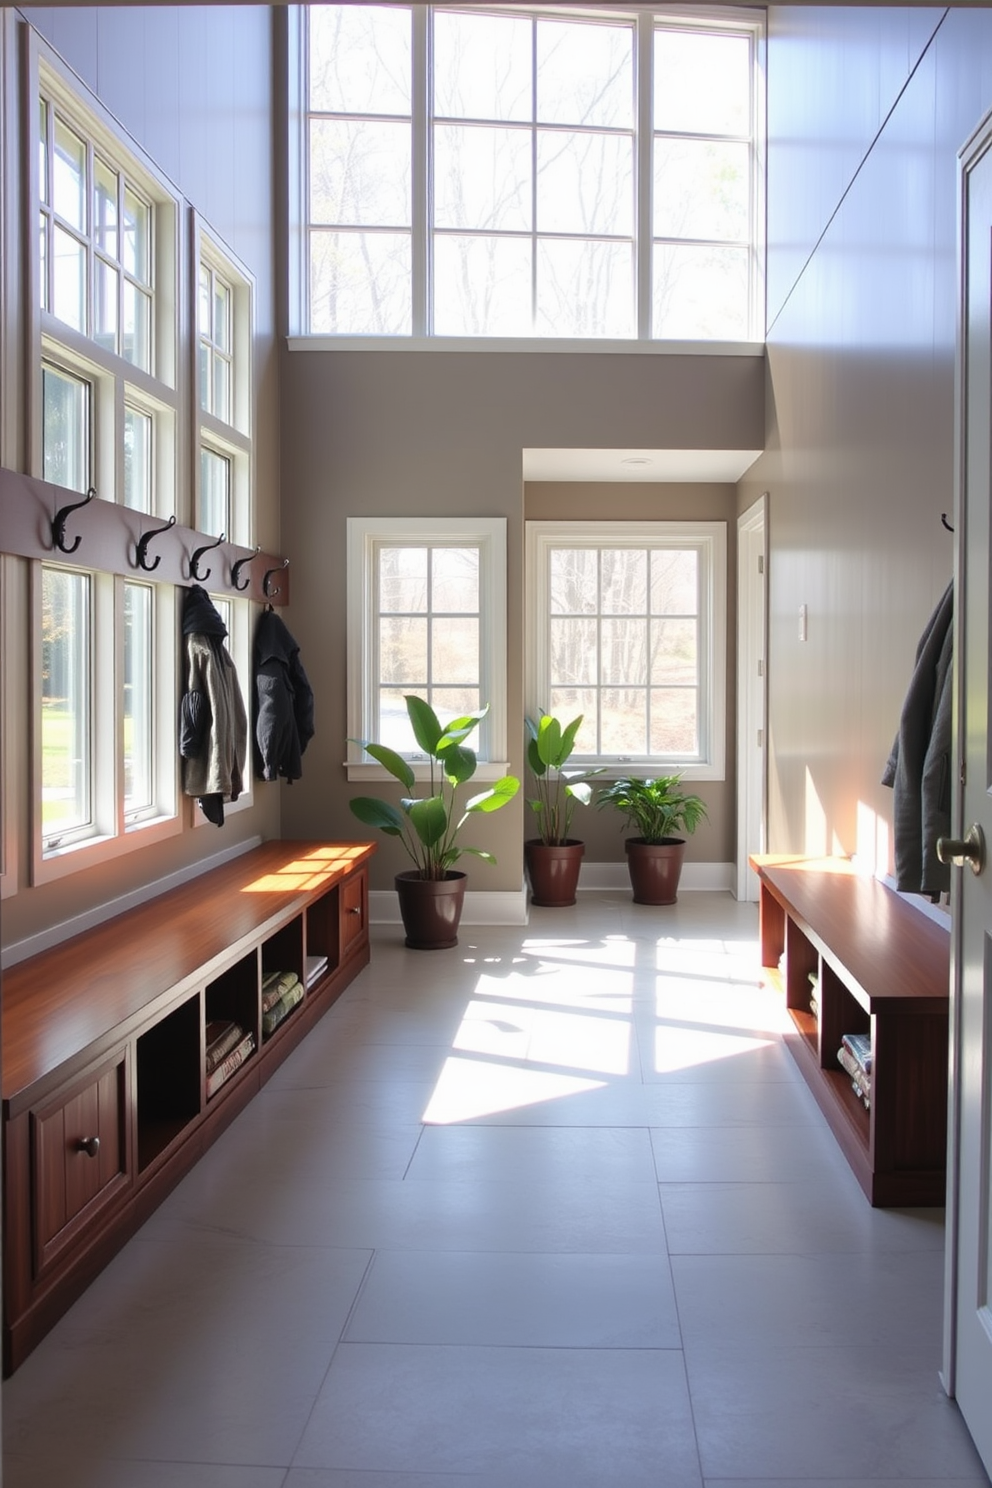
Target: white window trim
<point>233,440</point>
<point>365,534</point>
<point>711,540</point>
<point>110,836</point>
<point>115,380</point>
<point>708,17</point>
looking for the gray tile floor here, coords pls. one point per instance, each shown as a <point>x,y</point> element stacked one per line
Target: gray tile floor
<point>550,1210</point>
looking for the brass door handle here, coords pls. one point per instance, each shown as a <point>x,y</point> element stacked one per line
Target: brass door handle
<point>958,851</point>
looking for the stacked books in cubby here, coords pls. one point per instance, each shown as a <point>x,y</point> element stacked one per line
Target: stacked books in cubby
<point>854,1055</point>
<point>228,1046</point>
<point>315,968</point>
<point>281,992</point>
<point>814,994</point>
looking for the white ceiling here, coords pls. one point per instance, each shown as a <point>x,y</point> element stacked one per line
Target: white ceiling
<point>637,464</point>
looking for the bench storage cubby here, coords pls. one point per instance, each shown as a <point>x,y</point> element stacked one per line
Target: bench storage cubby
<point>106,1097</point>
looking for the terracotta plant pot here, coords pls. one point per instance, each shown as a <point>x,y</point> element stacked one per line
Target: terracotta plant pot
<point>553,871</point>
<point>431,908</point>
<point>655,869</point>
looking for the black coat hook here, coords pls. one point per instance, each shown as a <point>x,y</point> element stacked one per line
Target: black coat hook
<point>236,570</point>
<point>271,593</point>
<point>142,546</point>
<point>58,523</point>
<point>943,518</point>
<point>194,562</point>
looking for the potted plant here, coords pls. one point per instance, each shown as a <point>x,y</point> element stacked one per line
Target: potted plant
<point>659,811</point>
<point>553,858</point>
<point>432,893</point>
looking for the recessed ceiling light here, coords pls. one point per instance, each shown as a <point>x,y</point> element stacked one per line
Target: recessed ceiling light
<point>636,460</point>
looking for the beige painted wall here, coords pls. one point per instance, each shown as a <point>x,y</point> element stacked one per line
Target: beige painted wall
<point>860,444</point>
<point>434,432</point>
<point>193,86</point>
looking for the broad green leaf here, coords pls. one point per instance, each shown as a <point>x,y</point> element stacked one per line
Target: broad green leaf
<point>568,736</point>
<point>534,758</point>
<point>502,791</point>
<point>429,818</point>
<point>459,763</point>
<point>477,852</point>
<point>549,740</point>
<point>391,761</point>
<point>375,813</point>
<point>459,729</point>
<point>426,728</point>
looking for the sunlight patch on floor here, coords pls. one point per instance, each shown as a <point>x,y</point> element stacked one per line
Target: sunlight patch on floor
<point>678,1048</point>
<point>469,1088</point>
<point>571,1040</point>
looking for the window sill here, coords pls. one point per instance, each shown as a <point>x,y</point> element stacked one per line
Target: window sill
<point>90,851</point>
<point>652,769</point>
<point>533,344</point>
<point>487,770</point>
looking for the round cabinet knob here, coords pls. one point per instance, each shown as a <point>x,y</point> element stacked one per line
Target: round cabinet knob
<point>969,849</point>
<point>354,909</point>
<point>89,1145</point>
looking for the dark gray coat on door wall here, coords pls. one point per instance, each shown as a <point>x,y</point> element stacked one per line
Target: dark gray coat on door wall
<point>283,701</point>
<point>919,767</point>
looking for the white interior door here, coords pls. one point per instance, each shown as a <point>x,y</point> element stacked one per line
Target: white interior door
<point>751,667</point>
<point>968,1356</point>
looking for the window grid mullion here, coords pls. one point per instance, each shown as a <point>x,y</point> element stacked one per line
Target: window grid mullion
<point>421,174</point>
<point>644,200</point>
<point>533,173</point>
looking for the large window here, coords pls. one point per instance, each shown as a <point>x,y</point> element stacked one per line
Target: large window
<point>426,615</point>
<point>509,174</point>
<point>103,347</point>
<point>106,276</point>
<point>627,626</point>
<point>106,758</point>
<point>223,377</point>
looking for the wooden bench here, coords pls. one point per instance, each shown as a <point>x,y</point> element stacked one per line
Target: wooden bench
<point>883,968</point>
<point>105,1096</point>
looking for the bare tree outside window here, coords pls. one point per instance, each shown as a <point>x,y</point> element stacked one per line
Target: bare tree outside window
<point>527,147</point>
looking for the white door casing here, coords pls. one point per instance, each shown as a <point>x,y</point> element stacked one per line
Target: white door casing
<point>752,665</point>
<point>968,1303</point>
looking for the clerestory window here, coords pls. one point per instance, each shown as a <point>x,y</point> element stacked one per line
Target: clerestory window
<point>514,173</point>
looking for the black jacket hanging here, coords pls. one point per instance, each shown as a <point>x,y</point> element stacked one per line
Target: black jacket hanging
<point>283,701</point>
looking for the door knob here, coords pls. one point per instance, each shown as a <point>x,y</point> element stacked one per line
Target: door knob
<point>970,849</point>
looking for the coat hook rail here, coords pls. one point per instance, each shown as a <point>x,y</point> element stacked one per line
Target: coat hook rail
<point>142,546</point>
<point>237,567</point>
<point>943,518</point>
<point>271,593</point>
<point>58,523</point>
<point>194,562</point>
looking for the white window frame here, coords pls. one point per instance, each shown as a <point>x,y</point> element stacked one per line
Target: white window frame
<point>114,380</point>
<point>115,383</point>
<point>365,535</point>
<point>110,832</point>
<point>231,439</point>
<point>709,539</point>
<point>712,18</point>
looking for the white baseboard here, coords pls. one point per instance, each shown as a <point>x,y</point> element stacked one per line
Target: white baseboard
<point>511,908</point>
<point>58,933</point>
<point>716,877</point>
